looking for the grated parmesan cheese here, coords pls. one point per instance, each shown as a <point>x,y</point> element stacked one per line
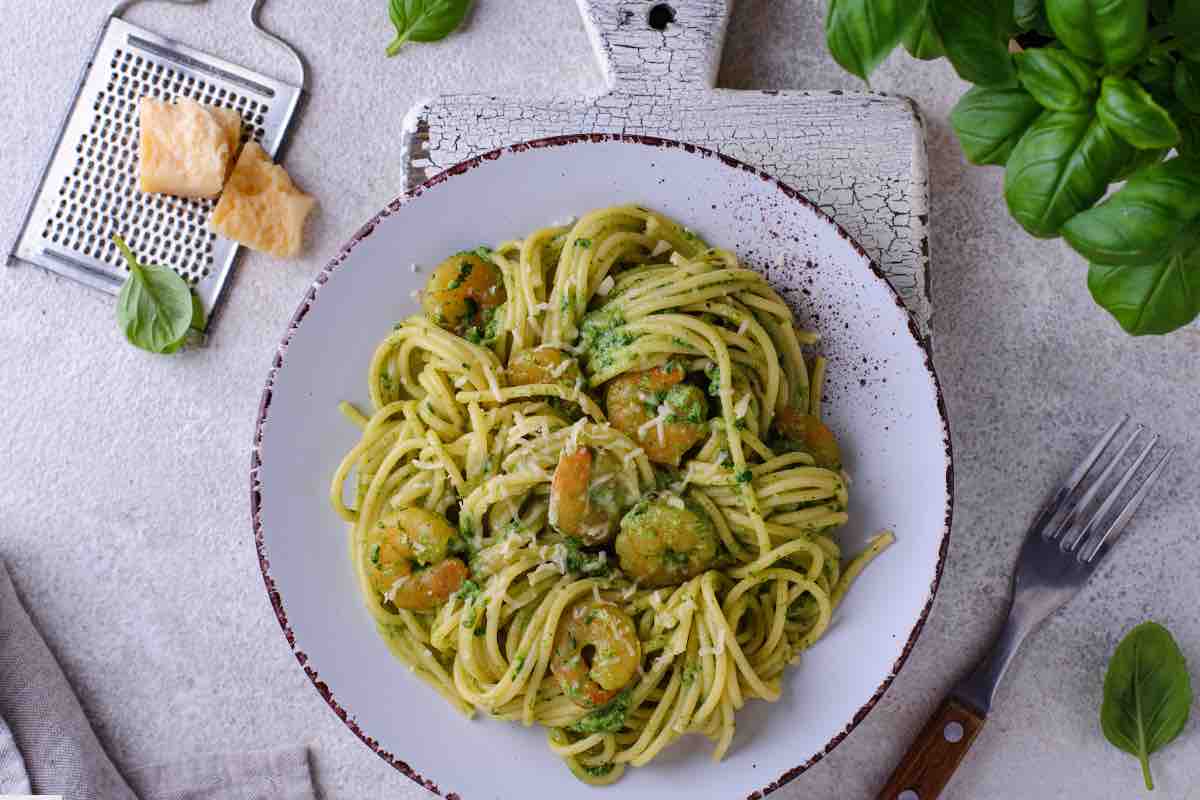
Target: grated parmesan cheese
<point>717,648</point>
<point>415,268</point>
<point>558,557</point>
<point>605,286</point>
<point>743,405</point>
<point>663,246</point>
<point>675,501</point>
<point>633,454</point>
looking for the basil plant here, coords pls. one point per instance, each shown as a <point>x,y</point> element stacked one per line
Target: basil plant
<point>1070,97</point>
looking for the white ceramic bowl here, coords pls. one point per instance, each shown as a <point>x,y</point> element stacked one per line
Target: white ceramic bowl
<point>882,399</point>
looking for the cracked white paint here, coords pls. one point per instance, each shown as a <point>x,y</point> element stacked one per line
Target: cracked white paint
<point>859,156</point>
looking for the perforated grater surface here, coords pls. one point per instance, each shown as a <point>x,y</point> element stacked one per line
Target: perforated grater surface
<point>88,190</point>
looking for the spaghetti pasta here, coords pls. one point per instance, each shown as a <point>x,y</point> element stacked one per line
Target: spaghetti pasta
<point>594,492</point>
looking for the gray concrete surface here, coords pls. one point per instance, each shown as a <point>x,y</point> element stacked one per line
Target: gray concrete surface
<point>123,508</point>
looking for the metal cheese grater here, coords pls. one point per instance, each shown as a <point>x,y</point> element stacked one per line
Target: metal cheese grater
<point>88,189</point>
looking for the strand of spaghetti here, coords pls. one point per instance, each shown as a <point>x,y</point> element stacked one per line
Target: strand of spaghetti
<point>511,393</point>
<point>876,546</point>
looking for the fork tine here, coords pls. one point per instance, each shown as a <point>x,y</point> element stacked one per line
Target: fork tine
<point>1064,492</point>
<point>1080,508</point>
<point>1087,543</point>
<point>1118,525</point>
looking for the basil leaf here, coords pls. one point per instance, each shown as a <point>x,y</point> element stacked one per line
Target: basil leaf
<point>1157,76</point>
<point>861,33</point>
<point>975,37</point>
<point>990,122</point>
<point>1187,85</point>
<point>921,40</point>
<point>425,20</point>
<point>1189,134</point>
<point>1142,222</point>
<point>1030,15</point>
<point>1062,165</point>
<point>1112,32</point>
<point>155,305</point>
<point>1185,25</point>
<point>1131,113</point>
<point>1147,694</point>
<point>1056,79</point>
<point>1140,160</point>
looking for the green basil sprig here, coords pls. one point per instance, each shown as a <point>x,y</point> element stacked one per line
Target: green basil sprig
<point>1152,215</point>
<point>1147,694</point>
<point>921,39</point>
<point>1152,298</point>
<point>861,33</point>
<point>1070,97</point>
<point>425,20</point>
<point>1129,111</point>
<point>1058,80</point>
<point>1061,166</point>
<point>156,308</point>
<point>990,122</point>
<point>1110,32</point>
<point>975,37</point>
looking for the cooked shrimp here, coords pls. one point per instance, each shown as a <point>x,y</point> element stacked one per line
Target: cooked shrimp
<point>662,414</point>
<point>807,433</point>
<point>463,293</point>
<point>587,496</point>
<point>596,652</point>
<point>407,563</point>
<point>665,541</point>
<point>543,365</point>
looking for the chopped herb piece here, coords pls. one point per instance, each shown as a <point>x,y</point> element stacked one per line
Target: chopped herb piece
<point>608,719</point>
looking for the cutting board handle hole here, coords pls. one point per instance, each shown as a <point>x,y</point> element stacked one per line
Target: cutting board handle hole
<point>661,16</point>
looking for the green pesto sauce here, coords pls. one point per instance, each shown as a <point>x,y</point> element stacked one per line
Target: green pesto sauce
<point>608,719</point>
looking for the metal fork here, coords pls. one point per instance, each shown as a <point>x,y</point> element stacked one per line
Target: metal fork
<point>1071,535</point>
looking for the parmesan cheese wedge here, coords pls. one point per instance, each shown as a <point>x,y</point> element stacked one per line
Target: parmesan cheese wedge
<point>261,207</point>
<point>186,148</point>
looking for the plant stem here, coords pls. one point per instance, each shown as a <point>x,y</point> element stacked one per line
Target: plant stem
<point>394,47</point>
<point>1145,758</point>
<point>135,266</point>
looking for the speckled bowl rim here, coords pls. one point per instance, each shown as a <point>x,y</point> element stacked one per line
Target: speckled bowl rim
<point>559,141</point>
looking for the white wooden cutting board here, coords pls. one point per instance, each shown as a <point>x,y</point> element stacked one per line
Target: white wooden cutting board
<point>859,156</point>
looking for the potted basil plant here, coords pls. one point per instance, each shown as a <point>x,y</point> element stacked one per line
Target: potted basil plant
<point>1071,97</point>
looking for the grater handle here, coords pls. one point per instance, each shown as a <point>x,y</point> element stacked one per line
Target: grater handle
<point>255,20</point>
<point>278,41</point>
<point>124,5</point>
<point>654,48</point>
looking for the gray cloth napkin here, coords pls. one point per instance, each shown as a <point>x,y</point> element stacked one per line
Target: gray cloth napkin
<point>47,745</point>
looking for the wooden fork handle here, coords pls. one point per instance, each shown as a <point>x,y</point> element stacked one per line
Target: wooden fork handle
<point>931,760</point>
